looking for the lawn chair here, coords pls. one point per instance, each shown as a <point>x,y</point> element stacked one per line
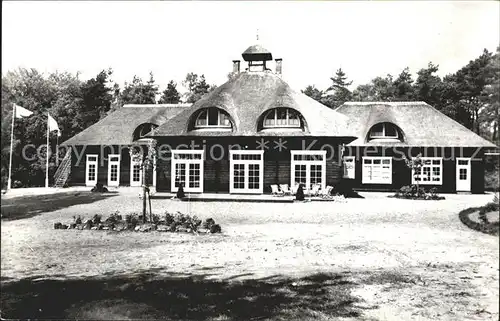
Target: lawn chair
<point>295,188</point>
<point>286,189</point>
<point>314,190</point>
<point>275,190</point>
<point>326,192</point>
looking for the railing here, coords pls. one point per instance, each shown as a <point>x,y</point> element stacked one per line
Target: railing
<point>62,173</point>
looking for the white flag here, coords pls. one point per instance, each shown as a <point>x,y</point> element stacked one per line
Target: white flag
<point>53,125</point>
<point>22,112</point>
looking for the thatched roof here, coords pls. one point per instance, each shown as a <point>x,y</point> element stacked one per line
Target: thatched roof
<point>422,125</point>
<point>256,52</point>
<point>118,127</point>
<point>247,97</point>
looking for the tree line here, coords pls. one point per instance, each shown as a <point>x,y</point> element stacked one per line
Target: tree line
<point>470,96</point>
<point>75,104</point>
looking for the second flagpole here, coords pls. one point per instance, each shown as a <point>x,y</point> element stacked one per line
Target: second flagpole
<point>47,156</point>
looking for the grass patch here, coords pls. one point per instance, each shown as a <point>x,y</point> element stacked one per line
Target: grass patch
<point>28,206</point>
<point>144,295</point>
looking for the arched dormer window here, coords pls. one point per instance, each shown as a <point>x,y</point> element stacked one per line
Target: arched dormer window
<point>282,117</point>
<point>385,131</point>
<point>142,130</point>
<point>212,118</point>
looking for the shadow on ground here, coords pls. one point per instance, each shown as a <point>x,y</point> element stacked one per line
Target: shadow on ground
<point>147,295</point>
<point>29,206</point>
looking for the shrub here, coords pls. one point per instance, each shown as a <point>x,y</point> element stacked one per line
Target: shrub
<point>77,219</point>
<point>114,218</point>
<point>156,218</point>
<point>169,218</point>
<point>180,191</point>
<point>299,196</point>
<point>131,220</point>
<point>208,223</point>
<point>215,228</point>
<point>414,192</point>
<point>96,219</point>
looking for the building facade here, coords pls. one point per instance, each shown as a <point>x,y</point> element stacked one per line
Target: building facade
<point>255,131</point>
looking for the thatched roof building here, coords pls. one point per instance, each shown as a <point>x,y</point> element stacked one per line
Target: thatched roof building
<point>421,125</point>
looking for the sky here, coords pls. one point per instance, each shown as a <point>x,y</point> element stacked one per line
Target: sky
<point>365,39</point>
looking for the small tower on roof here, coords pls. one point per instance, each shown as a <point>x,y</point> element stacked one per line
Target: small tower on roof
<point>257,56</point>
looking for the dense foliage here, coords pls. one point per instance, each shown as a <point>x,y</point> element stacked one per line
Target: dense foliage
<point>75,104</point>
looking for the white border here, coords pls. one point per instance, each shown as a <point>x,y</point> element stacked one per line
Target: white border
<point>87,163</point>
<point>175,161</point>
<point>246,162</point>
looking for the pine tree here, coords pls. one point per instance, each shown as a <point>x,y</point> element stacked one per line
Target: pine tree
<point>170,95</point>
<point>339,88</point>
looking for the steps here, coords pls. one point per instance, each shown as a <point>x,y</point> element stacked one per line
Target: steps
<point>62,173</point>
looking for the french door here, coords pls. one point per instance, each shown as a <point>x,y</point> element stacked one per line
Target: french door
<point>113,170</point>
<point>91,170</point>
<point>135,170</point>
<point>308,168</point>
<point>187,169</point>
<point>246,171</point>
<point>463,174</point>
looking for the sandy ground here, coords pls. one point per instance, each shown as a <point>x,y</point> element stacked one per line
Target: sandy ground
<point>446,271</point>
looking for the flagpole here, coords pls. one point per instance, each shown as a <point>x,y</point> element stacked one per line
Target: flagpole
<point>9,181</point>
<point>47,156</point>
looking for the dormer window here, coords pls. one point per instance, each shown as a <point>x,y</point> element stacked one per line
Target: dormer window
<point>212,117</point>
<point>384,130</point>
<point>142,130</point>
<point>282,117</point>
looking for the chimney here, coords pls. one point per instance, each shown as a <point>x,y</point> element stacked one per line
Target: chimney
<point>236,66</point>
<point>278,65</point>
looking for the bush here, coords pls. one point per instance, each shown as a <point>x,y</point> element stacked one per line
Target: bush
<point>215,228</point>
<point>96,219</point>
<point>208,223</point>
<point>77,219</point>
<point>412,192</point>
<point>299,196</point>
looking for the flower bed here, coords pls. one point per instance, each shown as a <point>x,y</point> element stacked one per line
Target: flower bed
<point>413,192</point>
<point>484,225</point>
<point>169,222</point>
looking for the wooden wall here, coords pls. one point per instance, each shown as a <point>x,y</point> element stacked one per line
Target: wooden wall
<point>401,175</point>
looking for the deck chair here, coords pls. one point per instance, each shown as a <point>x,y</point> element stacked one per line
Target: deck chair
<point>326,192</point>
<point>315,190</point>
<point>295,188</point>
<point>275,191</point>
<point>286,189</point>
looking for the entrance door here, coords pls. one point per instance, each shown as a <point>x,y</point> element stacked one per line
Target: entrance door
<point>308,168</point>
<point>246,171</point>
<point>113,170</point>
<point>135,170</point>
<point>91,170</point>
<point>463,174</point>
<point>187,169</point>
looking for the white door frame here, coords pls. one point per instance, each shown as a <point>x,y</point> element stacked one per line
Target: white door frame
<point>308,164</point>
<point>133,162</point>
<point>246,164</point>
<point>112,161</point>
<point>463,185</point>
<point>199,159</point>
<point>87,167</point>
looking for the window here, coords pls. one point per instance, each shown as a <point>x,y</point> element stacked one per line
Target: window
<point>430,173</point>
<point>308,168</point>
<point>349,167</point>
<point>281,117</point>
<point>384,130</point>
<point>212,117</point>
<point>377,170</point>
<point>142,130</point>
<point>187,170</point>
